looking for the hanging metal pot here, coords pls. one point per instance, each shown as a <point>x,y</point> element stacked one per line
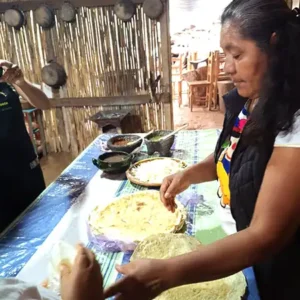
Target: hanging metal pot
<point>44,16</point>
<point>68,12</point>
<point>124,9</point>
<point>54,75</point>
<point>153,8</point>
<point>14,18</point>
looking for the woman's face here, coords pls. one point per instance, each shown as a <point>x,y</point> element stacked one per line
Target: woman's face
<point>245,62</point>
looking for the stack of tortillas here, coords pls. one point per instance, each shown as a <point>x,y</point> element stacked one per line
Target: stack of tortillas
<point>162,246</point>
<point>135,217</point>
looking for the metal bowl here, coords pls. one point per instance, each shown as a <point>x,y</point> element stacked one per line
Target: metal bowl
<point>162,147</point>
<point>113,167</point>
<point>133,142</point>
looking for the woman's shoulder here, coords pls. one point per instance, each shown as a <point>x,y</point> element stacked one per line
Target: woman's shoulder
<point>291,139</point>
<point>233,101</point>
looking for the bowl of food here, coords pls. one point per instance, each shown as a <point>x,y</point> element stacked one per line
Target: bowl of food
<point>113,162</point>
<point>124,143</point>
<point>156,143</point>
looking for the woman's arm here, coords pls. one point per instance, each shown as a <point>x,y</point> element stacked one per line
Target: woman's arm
<point>14,76</point>
<point>274,224</point>
<point>204,171</point>
<point>32,94</point>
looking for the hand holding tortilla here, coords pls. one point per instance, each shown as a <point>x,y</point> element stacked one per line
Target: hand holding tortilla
<point>82,280</point>
<point>144,279</point>
<point>180,181</point>
<point>150,273</point>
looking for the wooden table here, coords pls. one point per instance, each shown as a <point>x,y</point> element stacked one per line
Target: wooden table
<point>61,212</point>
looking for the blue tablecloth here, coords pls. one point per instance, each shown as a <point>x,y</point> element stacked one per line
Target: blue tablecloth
<point>27,237</point>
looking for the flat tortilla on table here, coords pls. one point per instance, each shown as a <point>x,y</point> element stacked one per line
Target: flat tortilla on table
<point>152,171</point>
<point>163,246</point>
<point>135,217</point>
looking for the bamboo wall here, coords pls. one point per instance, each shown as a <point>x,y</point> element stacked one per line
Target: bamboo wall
<point>103,56</point>
<point>75,133</point>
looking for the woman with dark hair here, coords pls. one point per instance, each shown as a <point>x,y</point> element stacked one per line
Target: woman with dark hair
<point>257,162</point>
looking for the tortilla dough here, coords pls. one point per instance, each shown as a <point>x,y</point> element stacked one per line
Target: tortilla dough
<point>162,246</point>
<point>135,217</point>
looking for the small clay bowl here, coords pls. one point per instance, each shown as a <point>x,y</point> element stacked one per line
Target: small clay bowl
<point>127,143</point>
<point>113,162</point>
<point>162,147</point>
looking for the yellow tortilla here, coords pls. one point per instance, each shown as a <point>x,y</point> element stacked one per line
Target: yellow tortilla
<point>135,217</point>
<point>162,246</point>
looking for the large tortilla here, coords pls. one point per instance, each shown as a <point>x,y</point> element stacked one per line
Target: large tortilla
<point>135,217</point>
<point>162,246</point>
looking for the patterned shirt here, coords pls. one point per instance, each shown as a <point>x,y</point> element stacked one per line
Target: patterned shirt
<point>228,148</point>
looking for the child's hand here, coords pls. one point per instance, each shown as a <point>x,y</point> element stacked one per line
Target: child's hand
<point>83,280</point>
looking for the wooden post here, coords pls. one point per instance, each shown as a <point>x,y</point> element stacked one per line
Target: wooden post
<point>289,3</point>
<point>166,81</point>
<point>296,3</point>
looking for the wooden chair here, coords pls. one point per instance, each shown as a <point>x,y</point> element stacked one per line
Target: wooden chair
<point>220,62</point>
<point>193,56</point>
<point>210,84</point>
<point>224,82</point>
<point>177,69</point>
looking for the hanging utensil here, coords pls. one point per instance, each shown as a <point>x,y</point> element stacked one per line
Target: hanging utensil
<point>68,12</point>
<point>153,8</point>
<point>14,18</point>
<point>44,16</point>
<point>54,75</point>
<point>174,132</point>
<point>124,9</point>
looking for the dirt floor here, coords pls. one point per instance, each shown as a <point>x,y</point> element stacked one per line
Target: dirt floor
<point>200,118</point>
<point>54,164</point>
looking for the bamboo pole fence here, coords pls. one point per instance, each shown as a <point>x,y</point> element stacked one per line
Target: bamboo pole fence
<point>103,57</point>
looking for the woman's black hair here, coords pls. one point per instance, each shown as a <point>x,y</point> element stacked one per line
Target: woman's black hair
<point>279,102</point>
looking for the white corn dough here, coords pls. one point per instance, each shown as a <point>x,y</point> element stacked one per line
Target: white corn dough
<point>155,171</point>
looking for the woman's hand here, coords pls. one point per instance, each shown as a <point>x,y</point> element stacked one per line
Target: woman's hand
<point>84,280</point>
<point>144,279</point>
<point>14,76</point>
<point>171,187</point>
<point>12,73</point>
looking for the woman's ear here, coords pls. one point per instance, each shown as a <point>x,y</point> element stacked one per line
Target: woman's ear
<point>273,39</point>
